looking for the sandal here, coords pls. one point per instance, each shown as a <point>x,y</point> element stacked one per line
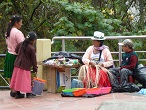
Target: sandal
<point>30,95</point>
<point>18,96</point>
<point>12,94</point>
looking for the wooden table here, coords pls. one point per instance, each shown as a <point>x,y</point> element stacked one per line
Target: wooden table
<point>51,71</point>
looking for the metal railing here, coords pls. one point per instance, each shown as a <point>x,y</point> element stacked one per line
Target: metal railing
<point>119,38</point>
<point>3,55</point>
<point>64,38</point>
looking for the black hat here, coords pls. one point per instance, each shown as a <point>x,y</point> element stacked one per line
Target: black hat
<point>31,35</point>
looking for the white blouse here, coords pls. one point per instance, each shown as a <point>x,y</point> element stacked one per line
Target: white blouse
<point>95,58</point>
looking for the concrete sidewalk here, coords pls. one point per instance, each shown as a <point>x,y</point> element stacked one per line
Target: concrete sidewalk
<point>123,105</point>
<point>49,101</point>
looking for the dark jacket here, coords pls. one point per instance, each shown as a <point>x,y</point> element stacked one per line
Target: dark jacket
<point>26,60</point>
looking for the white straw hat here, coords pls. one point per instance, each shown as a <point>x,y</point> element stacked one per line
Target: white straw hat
<point>98,36</point>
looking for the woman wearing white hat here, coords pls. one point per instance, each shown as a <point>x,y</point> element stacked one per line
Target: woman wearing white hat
<point>96,59</point>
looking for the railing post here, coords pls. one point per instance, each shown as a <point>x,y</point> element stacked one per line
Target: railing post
<point>120,52</point>
<point>63,44</point>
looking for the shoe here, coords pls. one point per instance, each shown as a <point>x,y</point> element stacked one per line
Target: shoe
<point>18,96</point>
<point>30,95</point>
<point>12,94</point>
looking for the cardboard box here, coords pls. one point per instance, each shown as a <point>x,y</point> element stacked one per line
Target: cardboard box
<point>64,79</point>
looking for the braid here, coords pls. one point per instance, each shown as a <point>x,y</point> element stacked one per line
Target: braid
<point>25,44</point>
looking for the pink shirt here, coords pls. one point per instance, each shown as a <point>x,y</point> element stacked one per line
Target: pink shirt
<point>16,36</point>
<point>106,54</point>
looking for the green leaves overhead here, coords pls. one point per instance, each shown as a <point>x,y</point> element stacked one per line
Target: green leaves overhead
<point>63,27</point>
<point>51,18</point>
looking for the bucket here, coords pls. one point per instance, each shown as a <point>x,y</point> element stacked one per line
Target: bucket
<point>38,87</point>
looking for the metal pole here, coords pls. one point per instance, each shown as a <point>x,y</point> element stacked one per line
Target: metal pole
<point>63,44</point>
<point>120,52</point>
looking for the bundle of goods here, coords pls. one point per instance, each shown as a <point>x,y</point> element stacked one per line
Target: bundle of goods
<point>63,58</point>
<point>62,61</point>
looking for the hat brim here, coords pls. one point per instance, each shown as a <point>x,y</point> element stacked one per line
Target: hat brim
<point>120,44</point>
<point>97,39</point>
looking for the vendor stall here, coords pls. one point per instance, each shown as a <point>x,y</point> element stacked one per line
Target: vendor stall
<point>57,75</point>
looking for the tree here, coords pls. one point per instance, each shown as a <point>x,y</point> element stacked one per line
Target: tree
<point>74,17</point>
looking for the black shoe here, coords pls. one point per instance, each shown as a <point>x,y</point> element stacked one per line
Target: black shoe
<point>30,95</point>
<point>18,96</point>
<point>12,94</point>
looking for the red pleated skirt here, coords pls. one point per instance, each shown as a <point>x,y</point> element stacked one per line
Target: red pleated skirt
<point>104,80</point>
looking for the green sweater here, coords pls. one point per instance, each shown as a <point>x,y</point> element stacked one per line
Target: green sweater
<point>126,60</point>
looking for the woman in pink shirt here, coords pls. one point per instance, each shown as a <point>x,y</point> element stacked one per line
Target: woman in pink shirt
<point>97,59</point>
<point>13,37</point>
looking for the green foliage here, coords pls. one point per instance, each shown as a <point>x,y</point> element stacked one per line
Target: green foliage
<point>51,18</point>
<point>81,19</point>
<point>64,27</point>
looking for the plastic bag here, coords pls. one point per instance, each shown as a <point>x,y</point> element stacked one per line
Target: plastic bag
<point>77,83</point>
<point>140,76</point>
<point>128,87</point>
<point>142,91</point>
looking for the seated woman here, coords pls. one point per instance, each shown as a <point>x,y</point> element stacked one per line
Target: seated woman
<point>97,59</point>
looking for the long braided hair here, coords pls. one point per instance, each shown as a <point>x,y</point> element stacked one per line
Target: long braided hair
<point>14,19</point>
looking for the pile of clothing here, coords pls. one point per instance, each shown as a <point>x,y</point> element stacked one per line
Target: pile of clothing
<point>63,58</point>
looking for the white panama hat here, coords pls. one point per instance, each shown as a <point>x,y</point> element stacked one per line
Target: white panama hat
<point>98,36</point>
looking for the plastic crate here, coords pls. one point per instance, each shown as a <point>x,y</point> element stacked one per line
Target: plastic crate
<point>105,90</point>
<point>79,92</point>
<point>95,91</point>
